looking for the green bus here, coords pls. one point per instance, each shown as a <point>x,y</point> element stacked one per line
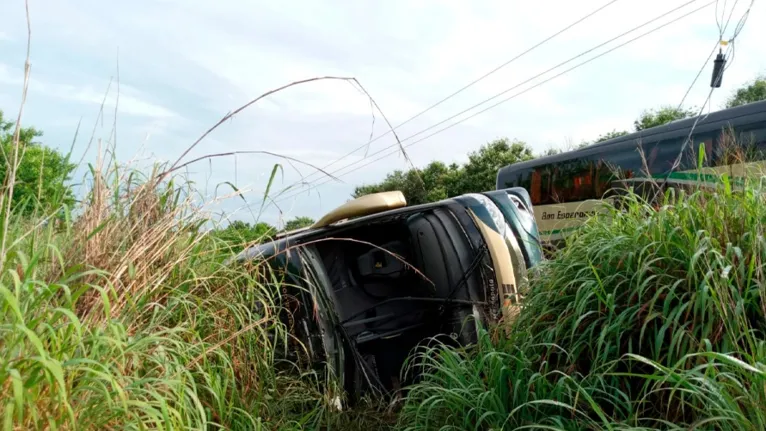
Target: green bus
<point>567,188</point>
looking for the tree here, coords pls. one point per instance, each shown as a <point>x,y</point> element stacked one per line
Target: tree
<point>439,181</point>
<point>410,183</point>
<point>663,115</point>
<point>604,137</point>
<point>610,135</point>
<point>749,93</point>
<point>480,173</point>
<point>298,223</point>
<point>43,173</point>
<point>552,151</point>
<point>239,234</point>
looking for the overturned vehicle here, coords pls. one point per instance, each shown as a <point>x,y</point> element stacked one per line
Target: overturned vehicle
<point>374,279</point>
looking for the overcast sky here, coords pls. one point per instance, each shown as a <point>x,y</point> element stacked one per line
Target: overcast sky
<point>183,64</point>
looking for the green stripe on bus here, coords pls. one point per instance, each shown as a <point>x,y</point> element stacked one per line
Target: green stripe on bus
<point>694,176</point>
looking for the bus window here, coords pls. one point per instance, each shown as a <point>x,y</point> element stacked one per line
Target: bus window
<point>690,159</point>
<point>708,150</point>
<point>534,187</point>
<point>572,181</point>
<point>522,179</point>
<point>663,154</point>
<point>652,158</point>
<point>546,184</point>
<point>582,187</point>
<point>626,163</point>
<point>601,179</point>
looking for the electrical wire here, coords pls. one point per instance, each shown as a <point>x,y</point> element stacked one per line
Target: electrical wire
<point>511,88</point>
<point>742,21</point>
<point>729,46</point>
<point>677,161</point>
<point>702,69</point>
<point>467,86</point>
<point>512,96</point>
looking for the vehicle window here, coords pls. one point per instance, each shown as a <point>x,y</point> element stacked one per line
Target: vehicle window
<point>624,163</point>
<point>515,178</point>
<point>582,179</point>
<point>535,187</point>
<point>520,179</point>
<point>660,155</point>
<point>690,159</point>
<point>602,178</point>
<point>536,181</point>
<point>543,178</point>
<point>572,181</point>
<point>546,184</point>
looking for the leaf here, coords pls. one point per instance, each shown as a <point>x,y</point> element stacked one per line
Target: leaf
<point>98,228</point>
<point>8,417</point>
<point>276,167</point>
<point>726,184</point>
<point>233,187</point>
<point>34,339</point>
<point>12,302</point>
<point>18,393</point>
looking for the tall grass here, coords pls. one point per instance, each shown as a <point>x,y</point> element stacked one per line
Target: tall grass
<point>650,318</point>
<point>125,317</point>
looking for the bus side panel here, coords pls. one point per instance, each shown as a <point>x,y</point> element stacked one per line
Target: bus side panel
<point>555,221</point>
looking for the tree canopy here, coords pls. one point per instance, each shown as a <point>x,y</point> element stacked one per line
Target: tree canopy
<point>610,135</point>
<point>657,117</point>
<point>439,181</point>
<point>43,173</point>
<point>755,91</point>
<point>298,223</point>
<point>480,172</point>
<point>239,234</point>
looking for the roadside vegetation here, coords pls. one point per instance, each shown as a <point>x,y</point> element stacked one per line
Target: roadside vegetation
<point>116,312</point>
<point>648,319</point>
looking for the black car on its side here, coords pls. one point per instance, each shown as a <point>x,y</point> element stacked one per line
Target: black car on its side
<point>374,279</point>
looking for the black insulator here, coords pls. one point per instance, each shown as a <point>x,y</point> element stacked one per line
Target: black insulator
<point>718,68</point>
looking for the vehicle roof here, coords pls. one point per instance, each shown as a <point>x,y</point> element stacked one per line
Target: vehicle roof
<point>673,126</point>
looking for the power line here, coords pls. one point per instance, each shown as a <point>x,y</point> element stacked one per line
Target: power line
<point>721,31</point>
<point>677,161</point>
<point>702,69</point>
<point>467,86</point>
<point>517,85</point>
<point>516,94</point>
<point>729,46</point>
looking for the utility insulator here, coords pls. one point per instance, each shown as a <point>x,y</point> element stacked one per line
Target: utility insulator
<point>718,68</point>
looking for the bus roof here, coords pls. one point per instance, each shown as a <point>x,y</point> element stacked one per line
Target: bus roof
<point>714,117</point>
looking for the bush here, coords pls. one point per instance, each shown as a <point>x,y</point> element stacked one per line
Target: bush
<point>649,318</point>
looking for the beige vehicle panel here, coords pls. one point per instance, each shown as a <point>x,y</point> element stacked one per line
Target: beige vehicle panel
<point>362,206</point>
<point>504,267</point>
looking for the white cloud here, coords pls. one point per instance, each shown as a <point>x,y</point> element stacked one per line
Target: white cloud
<point>130,100</point>
<point>126,103</point>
